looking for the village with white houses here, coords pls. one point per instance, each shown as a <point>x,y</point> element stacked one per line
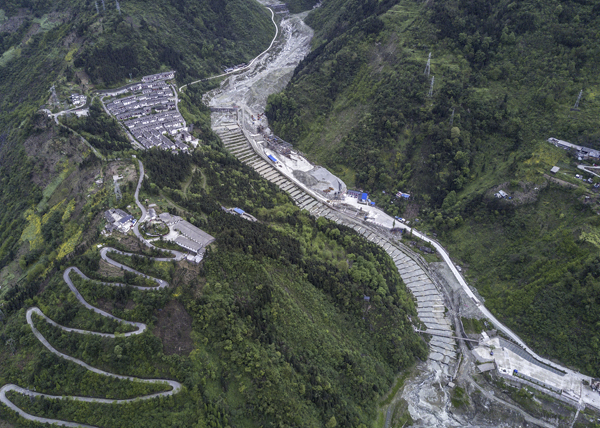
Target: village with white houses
<point>151,114</point>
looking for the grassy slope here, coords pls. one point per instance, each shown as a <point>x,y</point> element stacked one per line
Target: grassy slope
<point>511,72</point>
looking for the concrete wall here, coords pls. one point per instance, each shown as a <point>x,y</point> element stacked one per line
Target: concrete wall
<point>552,394</point>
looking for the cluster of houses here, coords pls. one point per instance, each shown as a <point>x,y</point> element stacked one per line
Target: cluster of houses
<point>150,114</point>
<point>234,68</point>
<point>363,198</point>
<point>150,131</point>
<point>240,212</point>
<point>117,219</point>
<point>140,105</point>
<point>501,194</point>
<point>78,100</point>
<point>167,75</point>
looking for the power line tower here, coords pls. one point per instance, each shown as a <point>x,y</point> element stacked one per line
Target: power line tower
<point>430,94</point>
<point>428,66</point>
<point>452,118</point>
<point>576,106</point>
<point>97,10</point>
<point>103,6</point>
<point>118,6</point>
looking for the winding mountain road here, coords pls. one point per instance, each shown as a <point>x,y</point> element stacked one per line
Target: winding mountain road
<point>251,62</point>
<point>140,328</point>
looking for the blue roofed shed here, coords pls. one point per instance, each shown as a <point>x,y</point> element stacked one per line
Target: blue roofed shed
<point>238,211</point>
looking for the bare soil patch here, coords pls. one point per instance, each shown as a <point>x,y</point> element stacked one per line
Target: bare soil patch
<point>560,182</point>
<point>173,327</point>
<point>109,305</point>
<point>123,168</point>
<point>109,271</point>
<point>13,23</point>
<point>525,193</point>
<point>132,244</point>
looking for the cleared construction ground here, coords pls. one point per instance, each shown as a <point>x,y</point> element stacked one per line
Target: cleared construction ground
<point>430,304</point>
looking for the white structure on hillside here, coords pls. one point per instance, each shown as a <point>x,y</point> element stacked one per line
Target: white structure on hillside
<point>188,236</point>
<point>78,100</point>
<point>118,220</point>
<point>160,76</point>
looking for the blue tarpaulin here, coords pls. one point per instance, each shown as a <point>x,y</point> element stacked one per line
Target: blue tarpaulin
<point>272,158</point>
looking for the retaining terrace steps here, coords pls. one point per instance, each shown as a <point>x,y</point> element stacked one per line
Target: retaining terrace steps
<point>430,305</point>
<point>235,141</point>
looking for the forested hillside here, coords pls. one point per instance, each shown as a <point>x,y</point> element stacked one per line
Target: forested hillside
<point>506,76</point>
<point>272,329</point>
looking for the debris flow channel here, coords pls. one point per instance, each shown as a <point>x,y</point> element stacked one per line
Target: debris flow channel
<point>428,401</point>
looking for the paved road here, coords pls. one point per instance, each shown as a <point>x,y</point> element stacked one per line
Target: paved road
<point>251,62</point>
<point>136,228</point>
<point>171,386</point>
<point>587,168</point>
<point>60,113</point>
<point>441,250</point>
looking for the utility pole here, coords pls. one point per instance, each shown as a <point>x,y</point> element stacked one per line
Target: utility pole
<point>428,66</point>
<point>431,87</point>
<point>97,10</point>
<point>576,106</point>
<point>452,118</point>
<point>118,6</point>
<point>103,6</point>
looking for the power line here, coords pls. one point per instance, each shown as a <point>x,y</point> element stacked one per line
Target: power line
<point>431,87</point>
<point>576,106</point>
<point>428,66</point>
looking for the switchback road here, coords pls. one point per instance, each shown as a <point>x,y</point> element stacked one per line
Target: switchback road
<point>171,386</point>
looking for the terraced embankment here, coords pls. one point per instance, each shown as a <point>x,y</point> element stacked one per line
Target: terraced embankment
<point>430,305</point>
<point>140,328</point>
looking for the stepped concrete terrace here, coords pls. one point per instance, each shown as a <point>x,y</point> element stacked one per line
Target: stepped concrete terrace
<point>430,303</point>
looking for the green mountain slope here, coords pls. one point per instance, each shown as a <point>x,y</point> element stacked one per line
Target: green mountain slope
<point>271,330</point>
<point>506,75</point>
